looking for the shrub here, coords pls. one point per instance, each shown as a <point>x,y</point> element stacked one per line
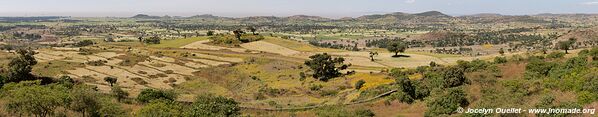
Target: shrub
<point>401,97</point>
<point>328,92</point>
<point>148,95</point>
<point>447,103</point>
<point>555,55</point>
<point>84,43</point>
<point>29,98</point>
<point>314,87</point>
<point>119,93</point>
<point>336,111</point>
<point>538,69</point>
<point>152,40</point>
<point>213,106</point>
<point>500,60</point>
<point>586,97</point>
<point>161,108</point>
<point>359,84</point>
<point>454,77</point>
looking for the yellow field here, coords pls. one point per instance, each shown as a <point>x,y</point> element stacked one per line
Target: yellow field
<point>371,80</point>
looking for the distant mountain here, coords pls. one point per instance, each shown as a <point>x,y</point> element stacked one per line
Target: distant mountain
<point>405,18</point>
<point>485,15</point>
<point>306,17</point>
<point>206,16</point>
<point>144,16</point>
<point>432,14</point>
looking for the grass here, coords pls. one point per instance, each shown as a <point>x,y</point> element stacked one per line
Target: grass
<point>294,45</point>
<point>176,43</point>
<point>54,68</point>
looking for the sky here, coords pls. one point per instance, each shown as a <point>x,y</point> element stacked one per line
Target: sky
<point>325,8</point>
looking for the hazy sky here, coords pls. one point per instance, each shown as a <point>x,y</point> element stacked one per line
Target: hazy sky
<point>326,8</point>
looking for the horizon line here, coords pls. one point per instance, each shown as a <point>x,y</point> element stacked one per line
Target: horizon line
<point>239,14</point>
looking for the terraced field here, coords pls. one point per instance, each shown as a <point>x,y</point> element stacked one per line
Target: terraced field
<point>156,72</point>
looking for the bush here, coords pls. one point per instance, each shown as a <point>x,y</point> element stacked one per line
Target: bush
<point>31,99</point>
<point>336,111</point>
<point>213,106</point>
<point>359,84</point>
<point>161,108</point>
<point>152,40</point>
<point>447,103</point>
<point>314,87</point>
<point>454,77</point>
<point>401,97</point>
<point>555,55</point>
<point>586,97</point>
<point>119,93</point>
<point>84,43</point>
<point>500,60</point>
<point>148,95</point>
<point>538,69</point>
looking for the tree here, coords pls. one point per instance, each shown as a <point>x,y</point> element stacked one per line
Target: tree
<point>213,106</point>
<point>238,33</point>
<point>148,95</point>
<point>252,29</point>
<point>119,93</point>
<point>84,100</point>
<point>20,66</point>
<point>140,38</point>
<point>566,45</point>
<point>501,51</point>
<point>110,80</point>
<point>152,40</point>
<point>325,66</point>
<point>359,84</point>
<point>396,47</point>
<point>210,33</point>
<point>372,54</point>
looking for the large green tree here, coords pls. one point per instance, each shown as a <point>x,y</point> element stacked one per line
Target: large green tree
<point>397,47</point>
<point>325,66</point>
<point>20,67</point>
<point>566,45</point>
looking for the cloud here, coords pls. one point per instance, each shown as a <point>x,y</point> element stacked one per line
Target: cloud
<point>409,1</point>
<point>590,3</point>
